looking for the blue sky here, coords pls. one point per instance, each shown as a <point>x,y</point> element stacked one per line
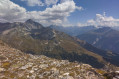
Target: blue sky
<point>65,12</point>
<point>93,7</point>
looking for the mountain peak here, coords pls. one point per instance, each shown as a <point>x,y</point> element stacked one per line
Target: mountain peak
<point>103,30</point>
<point>31,24</point>
<point>29,21</point>
<point>106,28</point>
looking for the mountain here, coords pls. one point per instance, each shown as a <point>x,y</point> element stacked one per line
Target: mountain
<point>31,37</point>
<point>107,55</point>
<point>116,28</point>
<point>104,38</point>
<point>15,64</point>
<point>73,31</point>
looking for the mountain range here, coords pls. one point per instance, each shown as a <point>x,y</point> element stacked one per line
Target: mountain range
<point>104,38</point>
<point>32,37</point>
<point>73,30</point>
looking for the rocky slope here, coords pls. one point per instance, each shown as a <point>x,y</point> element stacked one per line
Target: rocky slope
<point>31,37</point>
<point>15,64</point>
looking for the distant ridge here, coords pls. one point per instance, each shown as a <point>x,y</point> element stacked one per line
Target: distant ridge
<point>104,38</point>
<point>73,30</point>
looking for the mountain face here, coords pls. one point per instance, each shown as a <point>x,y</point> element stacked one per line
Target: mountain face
<point>73,31</point>
<point>116,28</point>
<point>107,55</point>
<point>103,38</point>
<point>31,37</point>
<point>15,64</point>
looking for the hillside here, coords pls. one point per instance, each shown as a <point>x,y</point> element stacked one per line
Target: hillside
<point>103,38</point>
<point>107,55</point>
<point>31,37</point>
<point>16,64</point>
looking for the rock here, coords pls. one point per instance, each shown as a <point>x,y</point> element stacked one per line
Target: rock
<point>2,69</point>
<point>27,66</point>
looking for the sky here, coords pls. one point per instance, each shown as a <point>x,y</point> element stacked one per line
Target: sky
<point>62,12</point>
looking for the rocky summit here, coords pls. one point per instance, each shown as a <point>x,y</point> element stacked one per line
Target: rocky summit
<point>15,64</point>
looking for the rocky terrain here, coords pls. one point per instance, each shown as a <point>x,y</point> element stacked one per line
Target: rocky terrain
<point>15,64</point>
<point>33,38</point>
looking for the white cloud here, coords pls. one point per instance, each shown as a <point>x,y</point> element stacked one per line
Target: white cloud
<point>51,2</point>
<point>34,2</point>
<point>79,8</point>
<point>48,3</point>
<point>81,24</point>
<point>62,1</point>
<point>103,20</point>
<point>57,14</point>
<point>10,12</point>
<point>40,2</point>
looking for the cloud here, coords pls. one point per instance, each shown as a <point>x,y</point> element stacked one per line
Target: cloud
<point>34,2</point>
<point>57,14</point>
<point>51,2</point>
<point>62,1</point>
<point>10,12</point>
<point>103,20</point>
<point>48,3</point>
<point>81,24</point>
<point>79,8</point>
<point>40,2</point>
